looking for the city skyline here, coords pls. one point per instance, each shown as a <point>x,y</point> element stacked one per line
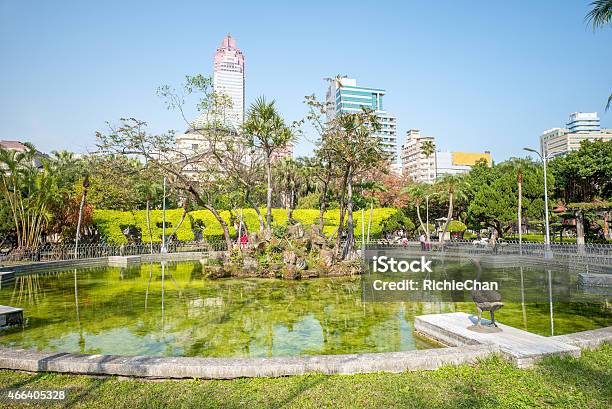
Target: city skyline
<point>444,81</point>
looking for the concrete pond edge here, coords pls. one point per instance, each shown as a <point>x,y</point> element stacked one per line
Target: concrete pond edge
<point>230,368</point>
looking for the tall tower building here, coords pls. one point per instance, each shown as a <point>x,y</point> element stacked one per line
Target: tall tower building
<point>344,96</point>
<point>583,122</point>
<point>228,79</point>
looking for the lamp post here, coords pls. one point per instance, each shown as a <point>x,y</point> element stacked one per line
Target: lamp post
<point>164,250</point>
<point>544,157</point>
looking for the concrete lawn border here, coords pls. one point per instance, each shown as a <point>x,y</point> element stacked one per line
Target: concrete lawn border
<point>230,368</point>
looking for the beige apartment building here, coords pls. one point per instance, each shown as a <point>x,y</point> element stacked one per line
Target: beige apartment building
<point>580,127</point>
<point>420,168</point>
<point>559,141</point>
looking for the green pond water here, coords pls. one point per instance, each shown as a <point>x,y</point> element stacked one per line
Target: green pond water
<point>139,311</point>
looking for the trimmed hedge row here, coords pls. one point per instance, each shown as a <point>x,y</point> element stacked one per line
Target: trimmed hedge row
<point>111,223</point>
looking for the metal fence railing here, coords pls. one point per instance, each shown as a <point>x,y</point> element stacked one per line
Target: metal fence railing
<point>588,253</point>
<point>55,252</point>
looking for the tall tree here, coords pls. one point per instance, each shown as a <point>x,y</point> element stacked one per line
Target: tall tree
<point>30,188</point>
<point>288,174</point>
<point>453,186</point>
<point>266,131</point>
<point>350,141</point>
<point>417,193</point>
<point>519,167</point>
<point>324,168</point>
<point>428,148</point>
<point>81,207</point>
<point>585,174</point>
<point>131,138</point>
<point>493,194</point>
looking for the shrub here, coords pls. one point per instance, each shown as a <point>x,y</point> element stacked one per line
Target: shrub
<point>109,222</point>
<point>469,235</point>
<point>309,201</point>
<point>455,226</point>
<point>398,221</point>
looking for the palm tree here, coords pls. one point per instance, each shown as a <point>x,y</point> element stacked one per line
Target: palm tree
<point>29,192</point>
<point>266,131</point>
<point>453,186</point>
<point>428,148</point>
<point>519,166</point>
<point>417,193</point>
<point>289,176</point>
<point>321,170</point>
<point>600,16</point>
<point>78,229</point>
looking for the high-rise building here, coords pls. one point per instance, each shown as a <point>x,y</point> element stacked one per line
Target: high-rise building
<point>580,127</point>
<point>344,96</point>
<point>456,163</point>
<point>415,164</point>
<point>228,81</point>
<point>583,122</point>
<point>228,78</point>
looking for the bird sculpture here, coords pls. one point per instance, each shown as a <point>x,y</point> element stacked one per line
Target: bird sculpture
<point>486,300</point>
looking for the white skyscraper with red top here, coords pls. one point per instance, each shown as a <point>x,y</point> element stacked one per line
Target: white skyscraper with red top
<point>228,78</point>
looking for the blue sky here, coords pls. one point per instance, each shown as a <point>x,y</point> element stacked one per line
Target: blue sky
<point>477,75</point>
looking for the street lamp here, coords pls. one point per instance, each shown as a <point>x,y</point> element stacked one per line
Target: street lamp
<point>164,250</point>
<point>544,157</point>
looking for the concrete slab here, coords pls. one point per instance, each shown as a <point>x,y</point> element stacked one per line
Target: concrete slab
<point>6,277</point>
<point>10,316</point>
<point>596,280</point>
<point>123,261</point>
<point>587,339</point>
<point>521,347</point>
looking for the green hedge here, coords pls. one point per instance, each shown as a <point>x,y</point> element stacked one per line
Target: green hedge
<point>456,226</point>
<point>111,223</point>
<point>539,238</point>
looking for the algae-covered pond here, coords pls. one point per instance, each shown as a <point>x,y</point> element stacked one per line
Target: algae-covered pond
<point>140,311</point>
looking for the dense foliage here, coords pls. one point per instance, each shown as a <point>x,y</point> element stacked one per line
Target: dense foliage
<point>113,224</point>
<point>42,196</point>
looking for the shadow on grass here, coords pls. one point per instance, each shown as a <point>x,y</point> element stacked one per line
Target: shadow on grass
<point>78,396</point>
<point>553,382</point>
<point>308,382</point>
<point>34,378</point>
<point>592,377</point>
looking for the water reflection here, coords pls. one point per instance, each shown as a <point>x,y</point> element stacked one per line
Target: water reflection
<point>78,315</point>
<point>550,303</point>
<point>523,306</point>
<point>187,314</point>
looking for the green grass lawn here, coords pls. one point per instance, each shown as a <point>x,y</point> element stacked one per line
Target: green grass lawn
<point>492,383</point>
